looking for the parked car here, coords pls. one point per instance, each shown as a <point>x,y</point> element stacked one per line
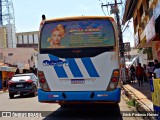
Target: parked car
<point>23,84</point>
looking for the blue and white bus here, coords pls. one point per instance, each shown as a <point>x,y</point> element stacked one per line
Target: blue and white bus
<point>78,61</point>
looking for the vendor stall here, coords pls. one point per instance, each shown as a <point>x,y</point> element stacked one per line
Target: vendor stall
<point>6,72</point>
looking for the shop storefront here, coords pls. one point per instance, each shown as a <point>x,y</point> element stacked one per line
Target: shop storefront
<point>157,28</point>
<point>6,72</point>
<point>152,38</point>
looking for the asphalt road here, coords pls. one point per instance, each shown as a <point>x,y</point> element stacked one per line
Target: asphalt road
<point>55,112</point>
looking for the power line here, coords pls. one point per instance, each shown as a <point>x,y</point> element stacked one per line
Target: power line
<point>125,26</point>
<point>103,10</point>
<point>115,10</point>
<point>130,32</point>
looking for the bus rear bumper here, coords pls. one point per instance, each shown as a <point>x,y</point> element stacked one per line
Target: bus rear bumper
<point>80,96</point>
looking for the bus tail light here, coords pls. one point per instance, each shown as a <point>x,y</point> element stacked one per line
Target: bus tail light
<point>42,81</point>
<point>113,80</point>
<point>112,19</point>
<point>40,74</point>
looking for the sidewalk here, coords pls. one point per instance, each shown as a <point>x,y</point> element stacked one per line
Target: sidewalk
<point>141,95</point>
<point>1,91</point>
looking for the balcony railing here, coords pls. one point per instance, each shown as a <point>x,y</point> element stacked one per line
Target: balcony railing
<point>139,26</point>
<point>150,13</point>
<point>152,3</point>
<point>144,15</point>
<point>142,35</point>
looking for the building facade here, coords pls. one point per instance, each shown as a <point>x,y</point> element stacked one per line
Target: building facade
<point>10,36</point>
<point>3,37</point>
<point>22,52</point>
<point>27,39</point>
<point>10,39</point>
<point>146,21</point>
<point>23,58</point>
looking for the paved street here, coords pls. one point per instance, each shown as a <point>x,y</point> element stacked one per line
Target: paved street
<point>82,112</point>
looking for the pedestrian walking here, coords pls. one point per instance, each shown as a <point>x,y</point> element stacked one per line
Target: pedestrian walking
<point>132,74</point>
<point>5,85</point>
<point>156,64</point>
<point>157,73</point>
<point>139,74</point>
<point>145,73</point>
<point>150,69</point>
<point>156,69</point>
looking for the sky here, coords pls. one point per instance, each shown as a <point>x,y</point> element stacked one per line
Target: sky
<point>28,13</point>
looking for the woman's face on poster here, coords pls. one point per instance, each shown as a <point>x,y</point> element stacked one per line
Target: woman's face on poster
<point>56,37</point>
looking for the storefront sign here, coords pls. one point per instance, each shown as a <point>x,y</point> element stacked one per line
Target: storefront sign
<point>150,30</point>
<point>136,38</point>
<point>10,74</point>
<point>156,11</point>
<point>10,69</point>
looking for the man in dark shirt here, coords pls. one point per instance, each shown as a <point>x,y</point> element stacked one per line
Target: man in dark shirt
<point>156,64</point>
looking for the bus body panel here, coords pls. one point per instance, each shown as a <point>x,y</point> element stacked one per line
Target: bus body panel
<point>79,74</point>
<point>84,76</point>
<point>85,96</point>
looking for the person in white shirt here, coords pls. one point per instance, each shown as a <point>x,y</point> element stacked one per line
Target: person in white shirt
<point>150,69</point>
<point>157,72</point>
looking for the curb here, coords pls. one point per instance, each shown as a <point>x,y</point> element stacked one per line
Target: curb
<point>140,102</point>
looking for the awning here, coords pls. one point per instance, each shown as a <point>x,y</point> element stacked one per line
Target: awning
<point>8,69</point>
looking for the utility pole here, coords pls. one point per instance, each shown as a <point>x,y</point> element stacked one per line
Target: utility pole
<point>115,10</point>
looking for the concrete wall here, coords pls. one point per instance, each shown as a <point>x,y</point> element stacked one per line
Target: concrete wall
<point>19,56</point>
<point>143,58</point>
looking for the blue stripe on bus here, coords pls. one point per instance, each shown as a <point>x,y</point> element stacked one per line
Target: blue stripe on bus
<point>74,68</point>
<point>52,57</point>
<point>59,69</point>
<point>90,67</point>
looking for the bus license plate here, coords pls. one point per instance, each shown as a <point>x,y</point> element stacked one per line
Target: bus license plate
<point>77,81</point>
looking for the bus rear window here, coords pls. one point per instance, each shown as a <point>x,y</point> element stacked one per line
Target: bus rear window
<point>77,34</point>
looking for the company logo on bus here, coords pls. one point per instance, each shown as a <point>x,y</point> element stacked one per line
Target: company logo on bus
<point>54,63</point>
